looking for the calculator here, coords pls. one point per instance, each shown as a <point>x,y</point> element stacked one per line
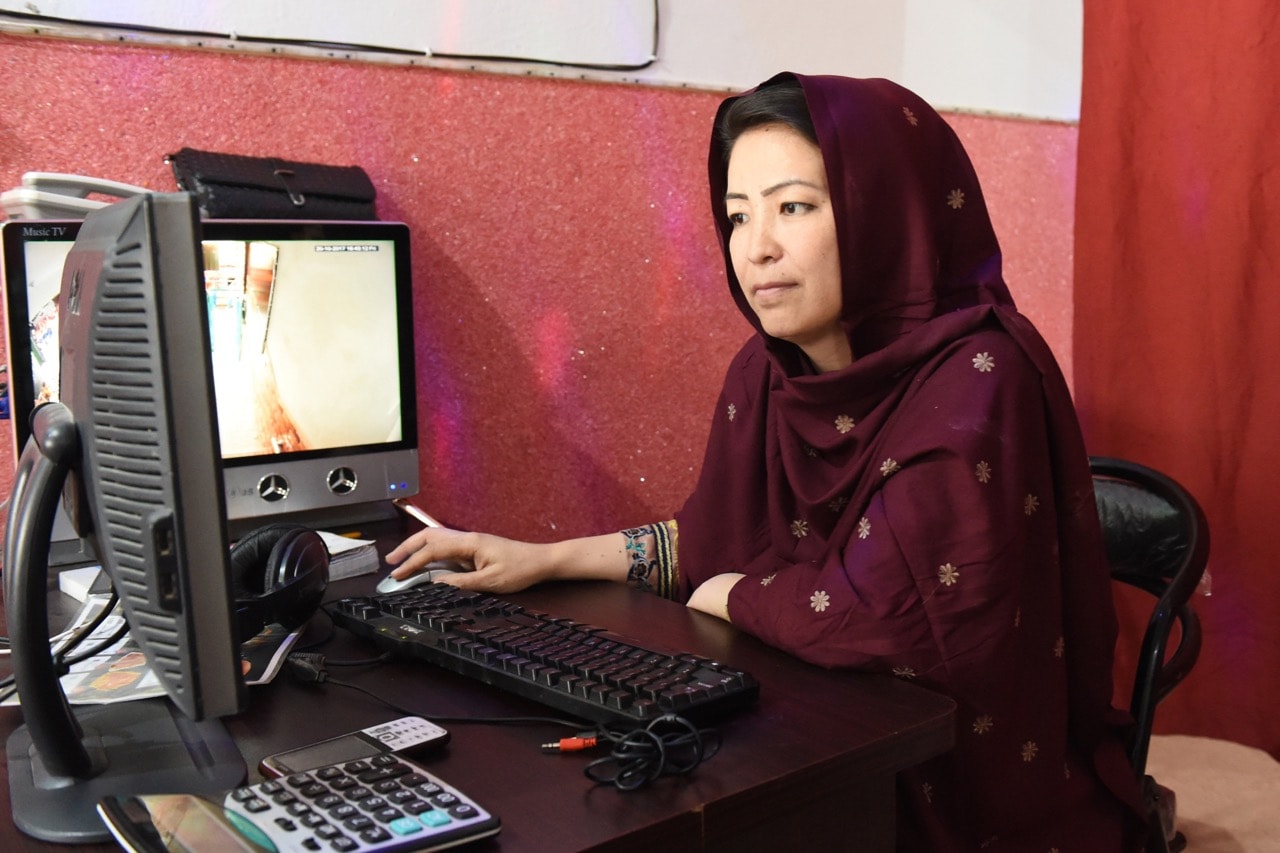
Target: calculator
<point>384,803</point>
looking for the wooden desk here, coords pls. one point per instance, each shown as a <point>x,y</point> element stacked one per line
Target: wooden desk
<point>810,767</point>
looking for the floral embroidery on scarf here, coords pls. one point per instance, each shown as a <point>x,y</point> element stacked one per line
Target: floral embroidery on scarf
<point>955,199</point>
<point>889,466</point>
<point>904,672</point>
<point>1060,647</point>
<point>844,424</point>
<point>983,724</point>
<point>1017,618</point>
<point>910,116</point>
<point>1030,504</point>
<point>819,601</point>
<point>983,362</point>
<point>983,472</point>
<point>733,411</point>
<point>811,452</point>
<point>1066,771</point>
<point>799,528</point>
<point>1029,750</point>
<point>947,574</point>
<point>837,505</point>
<point>927,790</point>
<point>864,527</point>
<point>768,579</point>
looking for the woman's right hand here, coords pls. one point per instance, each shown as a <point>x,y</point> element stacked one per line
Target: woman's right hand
<point>497,565</point>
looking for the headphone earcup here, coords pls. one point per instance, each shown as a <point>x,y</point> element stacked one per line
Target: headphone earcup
<point>296,574</point>
<point>278,574</point>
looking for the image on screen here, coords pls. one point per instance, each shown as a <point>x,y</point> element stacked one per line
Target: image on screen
<point>302,356</point>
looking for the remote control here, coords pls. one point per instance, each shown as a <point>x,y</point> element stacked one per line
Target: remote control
<point>407,734</point>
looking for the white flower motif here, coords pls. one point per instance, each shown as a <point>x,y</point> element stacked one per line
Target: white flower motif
<point>819,601</point>
<point>799,528</point>
<point>910,116</point>
<point>765,581</point>
<point>983,724</point>
<point>1060,647</point>
<point>1029,750</point>
<point>838,504</point>
<point>844,424</point>
<point>1017,618</point>
<point>904,672</point>
<point>927,790</point>
<point>810,451</point>
<point>889,466</point>
<point>983,362</point>
<point>948,574</point>
<point>733,411</point>
<point>1030,504</point>
<point>983,472</point>
<point>955,199</point>
<point>864,527</point>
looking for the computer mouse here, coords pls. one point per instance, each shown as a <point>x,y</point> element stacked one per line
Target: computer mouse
<point>427,575</point>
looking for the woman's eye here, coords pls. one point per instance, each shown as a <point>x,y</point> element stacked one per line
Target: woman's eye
<point>737,218</point>
<point>793,207</point>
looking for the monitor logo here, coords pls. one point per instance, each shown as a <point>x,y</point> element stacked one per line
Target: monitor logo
<point>342,481</point>
<point>273,487</point>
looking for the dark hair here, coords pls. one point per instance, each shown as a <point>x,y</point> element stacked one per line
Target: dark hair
<point>779,103</point>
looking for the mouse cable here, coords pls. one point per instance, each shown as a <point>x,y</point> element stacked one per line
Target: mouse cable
<point>669,746</point>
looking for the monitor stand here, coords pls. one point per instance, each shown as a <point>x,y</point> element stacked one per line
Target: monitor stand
<point>144,746</point>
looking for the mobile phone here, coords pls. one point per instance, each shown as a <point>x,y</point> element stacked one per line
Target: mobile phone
<point>406,734</point>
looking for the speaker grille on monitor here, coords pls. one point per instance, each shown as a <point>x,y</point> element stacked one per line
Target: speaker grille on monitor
<point>135,504</point>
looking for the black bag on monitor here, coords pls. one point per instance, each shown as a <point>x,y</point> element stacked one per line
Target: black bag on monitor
<point>233,186</point>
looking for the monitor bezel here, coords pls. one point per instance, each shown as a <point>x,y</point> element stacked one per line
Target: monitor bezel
<point>386,470</point>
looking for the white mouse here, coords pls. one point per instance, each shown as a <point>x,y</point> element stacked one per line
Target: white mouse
<point>440,568</point>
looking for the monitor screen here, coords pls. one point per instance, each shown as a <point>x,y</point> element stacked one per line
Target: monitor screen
<point>311,332</point>
<point>132,451</point>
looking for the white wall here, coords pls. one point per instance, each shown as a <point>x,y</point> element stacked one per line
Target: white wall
<point>1017,57</point>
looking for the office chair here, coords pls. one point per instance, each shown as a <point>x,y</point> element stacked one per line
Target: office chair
<point>1157,539</point>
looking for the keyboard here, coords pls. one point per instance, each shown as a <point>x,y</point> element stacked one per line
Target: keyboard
<point>584,671</point>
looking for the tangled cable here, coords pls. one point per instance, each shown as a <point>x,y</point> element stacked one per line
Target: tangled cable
<point>669,746</point>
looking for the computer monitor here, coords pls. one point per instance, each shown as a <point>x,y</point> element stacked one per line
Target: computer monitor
<point>133,453</point>
<point>312,343</point>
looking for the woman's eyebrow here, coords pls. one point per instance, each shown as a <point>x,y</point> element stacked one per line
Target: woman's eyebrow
<point>731,196</point>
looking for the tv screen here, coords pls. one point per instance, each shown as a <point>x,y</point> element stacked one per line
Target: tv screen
<point>311,331</point>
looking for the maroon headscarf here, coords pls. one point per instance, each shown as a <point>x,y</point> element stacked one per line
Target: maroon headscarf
<point>927,511</point>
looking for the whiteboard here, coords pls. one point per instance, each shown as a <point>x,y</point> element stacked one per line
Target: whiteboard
<point>1002,56</point>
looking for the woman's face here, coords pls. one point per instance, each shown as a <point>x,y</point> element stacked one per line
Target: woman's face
<point>783,242</point>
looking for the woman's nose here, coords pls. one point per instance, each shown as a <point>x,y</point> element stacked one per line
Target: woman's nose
<point>762,244</point>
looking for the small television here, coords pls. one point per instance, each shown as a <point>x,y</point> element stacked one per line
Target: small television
<point>132,453</point>
<point>311,335</point>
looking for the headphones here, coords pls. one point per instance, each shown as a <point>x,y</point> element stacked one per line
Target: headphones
<point>278,574</point>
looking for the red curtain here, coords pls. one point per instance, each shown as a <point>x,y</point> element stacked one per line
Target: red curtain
<point>1177,311</point>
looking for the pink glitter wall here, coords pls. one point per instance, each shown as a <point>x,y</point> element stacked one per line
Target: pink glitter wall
<point>573,322</point>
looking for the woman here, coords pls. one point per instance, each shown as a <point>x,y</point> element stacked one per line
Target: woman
<point>895,479</point>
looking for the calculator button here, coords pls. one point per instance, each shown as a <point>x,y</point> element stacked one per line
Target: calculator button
<point>434,818</point>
